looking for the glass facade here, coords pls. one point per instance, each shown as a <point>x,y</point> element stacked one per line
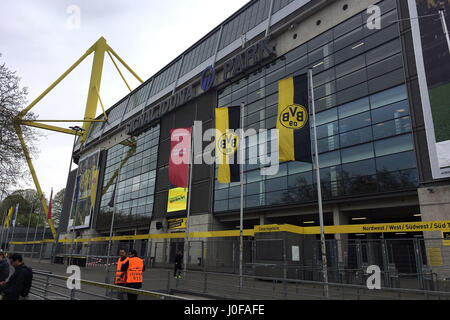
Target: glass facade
<point>364,131</point>
<point>136,160</point>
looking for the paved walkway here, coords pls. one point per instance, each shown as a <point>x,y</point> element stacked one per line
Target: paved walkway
<point>198,285</point>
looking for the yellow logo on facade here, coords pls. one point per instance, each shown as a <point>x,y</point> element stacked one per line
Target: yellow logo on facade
<point>294,117</point>
<point>228,143</point>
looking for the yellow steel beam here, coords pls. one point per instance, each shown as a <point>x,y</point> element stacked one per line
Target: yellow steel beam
<point>118,70</point>
<point>33,174</point>
<point>125,65</point>
<point>99,49</point>
<point>50,128</point>
<point>39,120</point>
<point>54,84</point>
<point>95,83</point>
<point>103,108</point>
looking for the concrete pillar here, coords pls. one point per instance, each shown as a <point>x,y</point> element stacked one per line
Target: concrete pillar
<point>340,219</point>
<point>435,206</point>
<point>262,220</point>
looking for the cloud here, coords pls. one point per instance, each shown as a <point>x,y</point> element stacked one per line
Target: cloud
<point>148,35</point>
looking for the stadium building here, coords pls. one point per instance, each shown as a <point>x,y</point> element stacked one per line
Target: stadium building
<point>383,154</point>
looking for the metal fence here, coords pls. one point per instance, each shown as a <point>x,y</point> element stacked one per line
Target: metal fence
<point>48,286</point>
<point>422,264</point>
<point>159,284</point>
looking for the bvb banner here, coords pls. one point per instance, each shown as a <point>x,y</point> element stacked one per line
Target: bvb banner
<point>227,143</point>
<point>177,200</point>
<point>85,192</point>
<point>293,120</point>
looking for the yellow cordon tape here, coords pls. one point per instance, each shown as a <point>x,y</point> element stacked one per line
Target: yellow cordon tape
<point>442,226</point>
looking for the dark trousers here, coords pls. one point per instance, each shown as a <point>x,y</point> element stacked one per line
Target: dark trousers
<point>120,294</point>
<point>132,296</point>
<point>177,269</point>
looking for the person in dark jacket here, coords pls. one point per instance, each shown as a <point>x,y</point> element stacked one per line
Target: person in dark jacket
<point>4,267</point>
<point>19,283</point>
<point>178,264</point>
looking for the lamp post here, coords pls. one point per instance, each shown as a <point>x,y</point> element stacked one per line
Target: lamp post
<point>77,129</point>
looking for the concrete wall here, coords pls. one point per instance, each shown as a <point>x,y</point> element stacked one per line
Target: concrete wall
<point>435,206</point>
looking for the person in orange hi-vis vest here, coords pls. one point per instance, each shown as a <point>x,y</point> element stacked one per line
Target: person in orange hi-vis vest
<point>121,273</point>
<point>135,268</point>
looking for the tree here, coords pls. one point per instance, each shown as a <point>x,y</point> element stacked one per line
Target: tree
<point>29,204</point>
<point>12,159</point>
<point>57,205</point>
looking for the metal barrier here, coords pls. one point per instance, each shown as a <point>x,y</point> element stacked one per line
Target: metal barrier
<point>257,287</point>
<point>422,264</point>
<point>47,286</point>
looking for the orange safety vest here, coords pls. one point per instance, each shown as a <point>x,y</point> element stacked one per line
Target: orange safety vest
<point>121,277</point>
<point>134,272</point>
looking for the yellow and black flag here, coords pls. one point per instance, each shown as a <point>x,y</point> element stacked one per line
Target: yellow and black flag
<point>293,120</point>
<point>227,143</point>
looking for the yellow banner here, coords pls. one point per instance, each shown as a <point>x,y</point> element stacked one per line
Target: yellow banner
<point>175,224</point>
<point>361,228</point>
<point>177,200</point>
<point>435,257</point>
<point>403,227</point>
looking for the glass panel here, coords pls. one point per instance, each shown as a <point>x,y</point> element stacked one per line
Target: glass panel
<point>392,128</point>
<point>357,169</point>
<point>354,107</point>
<point>400,161</point>
<point>276,184</point>
<point>398,180</point>
<point>326,130</point>
<point>301,179</point>
<point>328,144</point>
<point>275,198</point>
<point>393,145</point>
<point>298,167</point>
<point>393,111</point>
<point>357,153</point>
<point>355,122</point>
<point>326,116</point>
<point>356,137</point>
<point>329,159</point>
<point>388,96</point>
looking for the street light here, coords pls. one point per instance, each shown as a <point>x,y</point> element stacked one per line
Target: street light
<point>77,129</point>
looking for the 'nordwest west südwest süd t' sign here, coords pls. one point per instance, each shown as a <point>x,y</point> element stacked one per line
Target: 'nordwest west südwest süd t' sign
<point>248,58</point>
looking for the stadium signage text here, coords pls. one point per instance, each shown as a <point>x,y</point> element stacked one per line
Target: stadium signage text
<point>247,59</point>
<point>243,61</point>
<point>146,119</point>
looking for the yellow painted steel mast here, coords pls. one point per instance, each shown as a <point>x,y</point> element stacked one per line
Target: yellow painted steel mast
<point>99,49</point>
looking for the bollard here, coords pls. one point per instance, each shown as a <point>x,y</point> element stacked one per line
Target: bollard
<point>273,288</point>
<point>205,279</point>
<point>168,282</point>
<point>47,283</point>
<point>107,282</point>
<point>72,294</point>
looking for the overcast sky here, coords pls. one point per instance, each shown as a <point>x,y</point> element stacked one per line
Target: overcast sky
<point>41,39</point>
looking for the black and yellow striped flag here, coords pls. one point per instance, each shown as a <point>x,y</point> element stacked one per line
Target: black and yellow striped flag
<point>293,120</point>
<point>7,221</point>
<point>227,143</point>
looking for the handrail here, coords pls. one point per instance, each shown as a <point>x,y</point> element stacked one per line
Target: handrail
<point>318,283</point>
<point>152,294</point>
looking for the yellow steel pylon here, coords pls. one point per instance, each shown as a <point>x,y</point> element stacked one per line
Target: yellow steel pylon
<point>99,49</point>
